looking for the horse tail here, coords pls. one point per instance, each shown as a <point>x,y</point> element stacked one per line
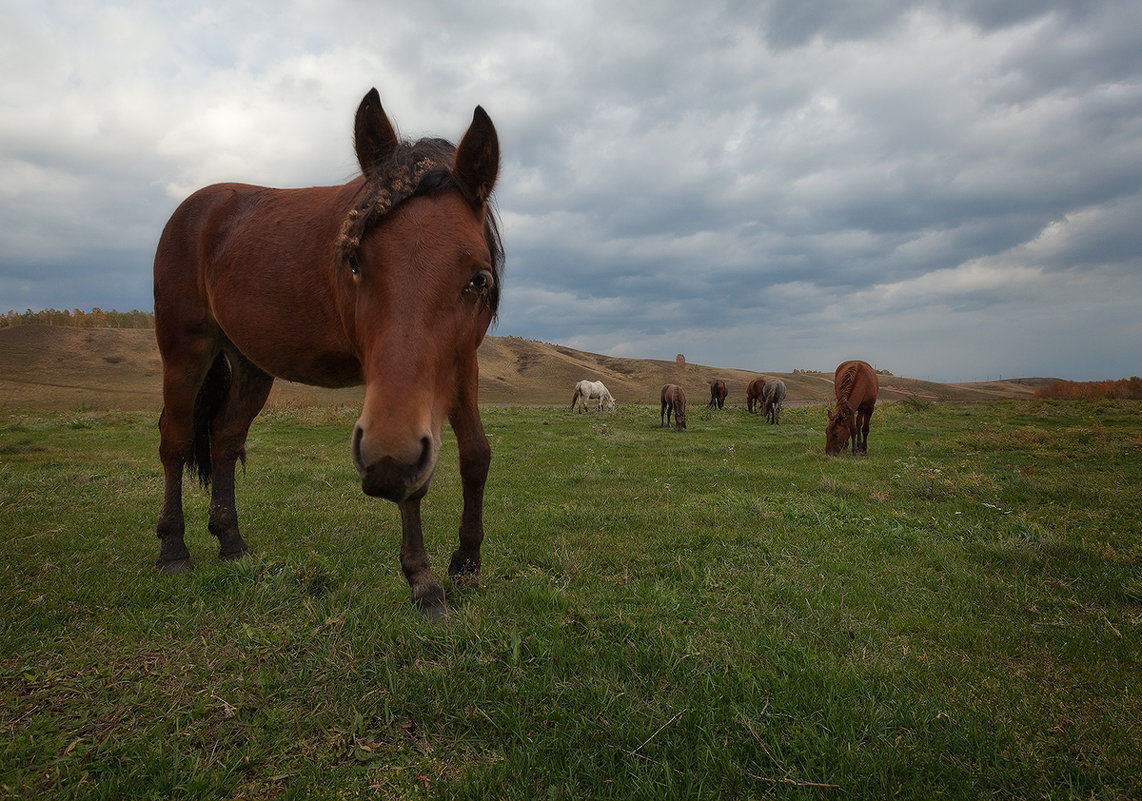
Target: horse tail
<point>575,398</point>
<point>206,407</point>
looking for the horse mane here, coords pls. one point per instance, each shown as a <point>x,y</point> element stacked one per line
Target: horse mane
<point>842,411</point>
<point>844,391</point>
<point>845,388</point>
<point>413,169</point>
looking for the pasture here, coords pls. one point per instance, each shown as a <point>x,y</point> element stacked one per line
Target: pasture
<point>723,612</point>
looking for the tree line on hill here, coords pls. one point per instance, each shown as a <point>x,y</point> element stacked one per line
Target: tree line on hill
<point>77,318</point>
<point>1093,390</point>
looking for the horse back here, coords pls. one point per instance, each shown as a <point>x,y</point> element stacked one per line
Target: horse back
<point>257,231</point>
<point>257,264</point>
<point>773,391</point>
<point>856,383</point>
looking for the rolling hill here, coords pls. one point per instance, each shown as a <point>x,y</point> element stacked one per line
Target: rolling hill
<point>61,368</point>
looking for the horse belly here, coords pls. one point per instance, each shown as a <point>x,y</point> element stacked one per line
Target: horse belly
<point>304,356</point>
<point>291,333</point>
<point>322,369</point>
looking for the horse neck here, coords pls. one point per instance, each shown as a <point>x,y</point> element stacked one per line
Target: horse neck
<point>845,388</point>
<point>842,414</point>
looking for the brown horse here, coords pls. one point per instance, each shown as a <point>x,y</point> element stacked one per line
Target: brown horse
<point>753,394</point>
<point>718,394</point>
<point>856,386</point>
<point>673,400</point>
<point>390,280</point>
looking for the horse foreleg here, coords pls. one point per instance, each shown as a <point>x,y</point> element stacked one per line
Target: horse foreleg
<point>475,459</point>
<point>427,595</point>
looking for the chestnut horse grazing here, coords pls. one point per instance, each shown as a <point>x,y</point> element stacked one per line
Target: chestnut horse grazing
<point>673,400</point>
<point>772,396</point>
<point>718,394</point>
<point>390,280</point>
<point>753,394</point>
<point>856,386</point>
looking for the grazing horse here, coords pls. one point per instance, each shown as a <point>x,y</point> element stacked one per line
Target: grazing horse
<point>390,280</point>
<point>772,397</point>
<point>673,400</point>
<point>718,394</point>
<point>586,390</point>
<point>753,394</point>
<point>856,386</point>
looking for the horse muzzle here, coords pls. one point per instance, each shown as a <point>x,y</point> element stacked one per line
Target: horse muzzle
<point>395,471</point>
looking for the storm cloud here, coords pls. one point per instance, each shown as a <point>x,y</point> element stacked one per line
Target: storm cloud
<point>949,190</point>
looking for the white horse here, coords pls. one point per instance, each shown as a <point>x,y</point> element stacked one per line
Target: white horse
<point>586,390</point>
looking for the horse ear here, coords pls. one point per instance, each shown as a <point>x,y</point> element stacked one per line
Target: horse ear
<point>374,137</point>
<point>478,157</point>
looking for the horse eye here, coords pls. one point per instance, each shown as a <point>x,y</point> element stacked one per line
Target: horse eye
<point>354,265</point>
<point>479,282</point>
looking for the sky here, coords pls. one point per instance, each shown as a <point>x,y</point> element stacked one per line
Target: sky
<point>948,189</point>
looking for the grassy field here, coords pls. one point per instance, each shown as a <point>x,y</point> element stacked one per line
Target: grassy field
<point>718,613</point>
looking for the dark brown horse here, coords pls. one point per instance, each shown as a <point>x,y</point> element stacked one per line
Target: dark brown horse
<point>753,394</point>
<point>673,400</point>
<point>718,394</point>
<point>856,386</point>
<point>390,280</point>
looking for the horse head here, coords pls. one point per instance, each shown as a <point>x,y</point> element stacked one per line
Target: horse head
<point>838,430</point>
<point>419,269</point>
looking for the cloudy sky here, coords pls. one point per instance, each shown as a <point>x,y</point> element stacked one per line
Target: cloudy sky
<point>949,189</point>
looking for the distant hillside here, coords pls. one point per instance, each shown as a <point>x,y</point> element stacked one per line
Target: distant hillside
<point>55,367</point>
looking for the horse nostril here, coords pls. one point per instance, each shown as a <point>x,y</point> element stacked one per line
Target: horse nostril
<point>425,452</point>
<point>355,448</point>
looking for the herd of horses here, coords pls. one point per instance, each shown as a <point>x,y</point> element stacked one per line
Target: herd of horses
<point>390,280</point>
<point>854,382</point>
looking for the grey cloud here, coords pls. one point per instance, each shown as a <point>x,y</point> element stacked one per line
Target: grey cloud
<point>753,184</point>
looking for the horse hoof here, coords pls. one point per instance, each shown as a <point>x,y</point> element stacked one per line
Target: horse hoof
<point>436,612</point>
<point>432,604</point>
<point>171,567</point>
<point>232,552</point>
<point>462,565</point>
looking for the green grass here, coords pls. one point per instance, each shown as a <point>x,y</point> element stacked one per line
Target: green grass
<point>719,613</point>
